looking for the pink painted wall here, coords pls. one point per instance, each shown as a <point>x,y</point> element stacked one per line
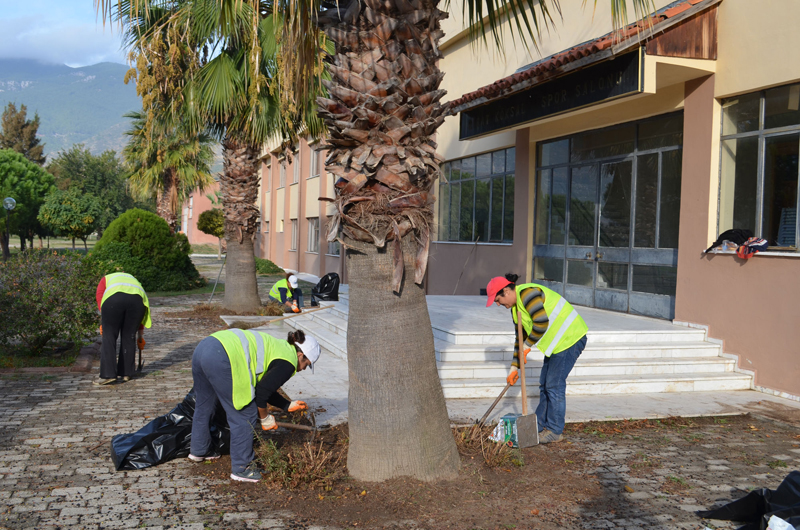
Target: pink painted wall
<point>752,305</point>
<point>200,203</point>
<point>448,260</point>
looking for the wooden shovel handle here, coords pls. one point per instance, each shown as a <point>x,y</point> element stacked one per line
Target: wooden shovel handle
<point>496,401</point>
<point>521,353</point>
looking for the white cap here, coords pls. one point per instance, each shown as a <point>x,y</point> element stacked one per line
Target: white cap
<point>293,281</point>
<point>310,348</point>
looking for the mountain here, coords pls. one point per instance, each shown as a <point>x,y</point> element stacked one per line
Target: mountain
<point>75,105</point>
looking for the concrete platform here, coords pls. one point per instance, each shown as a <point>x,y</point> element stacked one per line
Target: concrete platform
<point>326,389</point>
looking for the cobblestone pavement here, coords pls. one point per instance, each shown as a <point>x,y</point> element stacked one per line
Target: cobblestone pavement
<point>55,467</point>
<point>56,472</point>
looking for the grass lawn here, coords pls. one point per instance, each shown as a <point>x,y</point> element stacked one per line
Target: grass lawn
<point>202,290</point>
<point>205,249</point>
<point>54,243</point>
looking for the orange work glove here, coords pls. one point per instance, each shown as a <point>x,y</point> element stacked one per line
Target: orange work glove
<point>513,377</point>
<point>525,353</point>
<point>101,329</point>
<point>140,343</point>
<point>296,406</point>
<point>268,423</point>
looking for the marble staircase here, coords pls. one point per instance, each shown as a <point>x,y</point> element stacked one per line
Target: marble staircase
<point>624,354</point>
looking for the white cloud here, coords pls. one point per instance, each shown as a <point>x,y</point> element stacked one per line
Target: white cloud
<point>76,43</point>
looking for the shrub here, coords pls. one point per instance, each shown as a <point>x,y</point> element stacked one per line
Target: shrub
<point>116,256</point>
<point>45,297</point>
<point>265,266</point>
<point>140,243</point>
<point>149,237</point>
<point>212,222</point>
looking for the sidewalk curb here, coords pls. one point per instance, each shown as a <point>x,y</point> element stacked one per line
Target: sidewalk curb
<point>83,363</point>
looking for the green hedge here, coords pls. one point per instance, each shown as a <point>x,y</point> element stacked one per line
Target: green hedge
<point>265,266</point>
<point>48,298</point>
<point>140,243</point>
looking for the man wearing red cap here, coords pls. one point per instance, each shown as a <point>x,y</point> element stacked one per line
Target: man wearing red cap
<point>551,324</point>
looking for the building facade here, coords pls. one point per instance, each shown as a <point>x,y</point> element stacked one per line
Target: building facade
<point>603,165</point>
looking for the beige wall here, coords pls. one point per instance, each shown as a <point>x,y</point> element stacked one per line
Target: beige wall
<point>750,304</point>
<point>757,45</point>
<point>468,67</point>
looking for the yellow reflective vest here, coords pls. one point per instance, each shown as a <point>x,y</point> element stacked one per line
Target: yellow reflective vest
<point>121,282</point>
<point>280,284</point>
<point>250,353</point>
<point>566,327</point>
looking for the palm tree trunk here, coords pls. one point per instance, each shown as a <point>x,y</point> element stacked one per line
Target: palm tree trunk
<point>239,187</point>
<point>382,113</point>
<point>397,418</point>
<point>167,198</point>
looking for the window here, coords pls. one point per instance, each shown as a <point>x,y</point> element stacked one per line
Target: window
<point>294,235</point>
<point>266,226</point>
<point>476,198</point>
<point>191,206</point>
<point>313,235</point>
<point>280,226</point>
<point>268,179</point>
<point>334,248</point>
<point>759,164</point>
<point>296,168</point>
<point>314,163</point>
<point>282,181</point>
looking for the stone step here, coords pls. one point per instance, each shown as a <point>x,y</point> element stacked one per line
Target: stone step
<point>447,352</point>
<point>507,335</point>
<point>329,340</point>
<point>614,384</point>
<point>592,367</point>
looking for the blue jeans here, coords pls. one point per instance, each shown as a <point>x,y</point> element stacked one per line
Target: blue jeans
<point>552,407</point>
<point>213,383</point>
<point>298,296</point>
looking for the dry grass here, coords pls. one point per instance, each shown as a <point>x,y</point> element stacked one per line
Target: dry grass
<point>474,440</point>
<point>303,465</point>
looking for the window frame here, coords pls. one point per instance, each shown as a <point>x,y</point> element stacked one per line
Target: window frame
<point>314,170</point>
<point>282,173</point>
<point>762,134</point>
<point>296,168</point>
<point>294,235</point>
<point>491,176</point>
<point>312,245</point>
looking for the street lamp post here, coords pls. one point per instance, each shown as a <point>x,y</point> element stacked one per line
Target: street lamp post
<point>9,204</point>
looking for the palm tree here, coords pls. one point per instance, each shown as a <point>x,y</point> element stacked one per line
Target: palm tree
<point>168,165</point>
<point>383,109</point>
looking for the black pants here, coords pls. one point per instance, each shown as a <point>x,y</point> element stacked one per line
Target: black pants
<point>121,315</point>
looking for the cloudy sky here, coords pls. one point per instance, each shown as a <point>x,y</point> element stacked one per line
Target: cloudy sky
<point>57,31</point>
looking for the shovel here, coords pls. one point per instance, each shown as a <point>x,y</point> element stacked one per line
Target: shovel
<point>527,427</point>
<point>141,363</point>
<point>496,401</point>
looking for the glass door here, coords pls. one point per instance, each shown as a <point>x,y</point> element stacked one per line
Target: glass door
<point>613,247</point>
<point>582,234</point>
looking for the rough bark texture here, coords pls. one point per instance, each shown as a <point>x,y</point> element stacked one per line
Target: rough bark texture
<point>398,422</point>
<point>168,199</point>
<point>239,189</point>
<point>382,111</point>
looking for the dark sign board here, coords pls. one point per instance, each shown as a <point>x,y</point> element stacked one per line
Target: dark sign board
<point>604,81</point>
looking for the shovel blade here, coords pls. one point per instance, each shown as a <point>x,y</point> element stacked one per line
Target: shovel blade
<point>527,431</point>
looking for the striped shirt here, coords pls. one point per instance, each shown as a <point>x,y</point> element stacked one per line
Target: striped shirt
<point>533,299</point>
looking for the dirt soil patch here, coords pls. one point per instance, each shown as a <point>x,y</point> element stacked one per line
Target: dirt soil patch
<point>595,474</point>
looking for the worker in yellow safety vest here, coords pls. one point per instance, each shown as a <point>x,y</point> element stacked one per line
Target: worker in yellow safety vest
<point>551,324</point>
<point>286,293</point>
<point>243,371</point>
<point>124,310</point>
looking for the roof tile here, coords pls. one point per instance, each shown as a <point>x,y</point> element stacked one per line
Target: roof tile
<point>573,54</point>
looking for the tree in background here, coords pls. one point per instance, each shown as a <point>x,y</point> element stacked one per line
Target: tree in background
<point>102,176</point>
<point>19,133</point>
<point>167,163</point>
<point>71,214</point>
<point>28,184</point>
<point>212,222</point>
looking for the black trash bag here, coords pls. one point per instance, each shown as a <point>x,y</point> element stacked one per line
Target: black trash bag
<point>327,289</point>
<point>167,437</point>
<point>758,506</point>
<point>734,235</point>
